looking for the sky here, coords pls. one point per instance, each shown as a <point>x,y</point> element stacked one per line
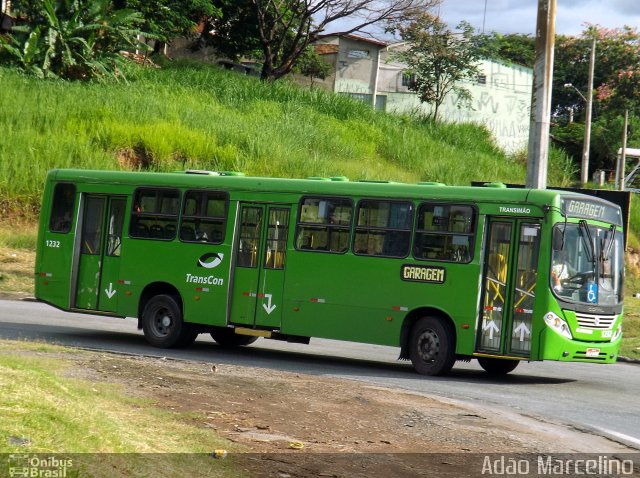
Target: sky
<point>519,16</point>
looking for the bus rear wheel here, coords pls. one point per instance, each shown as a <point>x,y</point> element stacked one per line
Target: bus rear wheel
<point>497,367</point>
<point>162,323</point>
<point>227,338</point>
<point>432,346</point>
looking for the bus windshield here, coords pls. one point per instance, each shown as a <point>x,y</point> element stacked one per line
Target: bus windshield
<point>587,264</point>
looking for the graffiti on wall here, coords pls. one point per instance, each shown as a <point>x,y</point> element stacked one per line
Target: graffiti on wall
<point>502,103</point>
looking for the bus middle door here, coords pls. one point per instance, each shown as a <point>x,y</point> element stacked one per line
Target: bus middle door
<point>99,256</point>
<point>258,280</point>
<point>509,279</point>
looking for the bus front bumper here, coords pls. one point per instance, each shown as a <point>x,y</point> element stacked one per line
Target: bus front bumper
<point>560,348</point>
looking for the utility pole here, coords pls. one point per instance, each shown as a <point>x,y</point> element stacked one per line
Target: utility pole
<point>538,152</point>
<point>622,159</point>
<point>584,176</point>
<point>374,96</point>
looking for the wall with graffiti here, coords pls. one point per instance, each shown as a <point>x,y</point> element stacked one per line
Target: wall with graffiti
<point>501,100</point>
<point>501,94</point>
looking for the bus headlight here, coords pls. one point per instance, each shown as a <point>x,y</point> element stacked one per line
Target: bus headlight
<point>617,334</point>
<point>558,324</point>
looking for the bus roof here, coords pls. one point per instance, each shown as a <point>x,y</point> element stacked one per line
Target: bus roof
<point>336,187</point>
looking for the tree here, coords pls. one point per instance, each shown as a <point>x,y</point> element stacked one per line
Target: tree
<point>312,65</point>
<point>167,19</point>
<point>619,58</point>
<point>512,48</point>
<point>286,27</point>
<point>71,39</point>
<point>616,86</point>
<point>439,59</point>
<point>234,33</point>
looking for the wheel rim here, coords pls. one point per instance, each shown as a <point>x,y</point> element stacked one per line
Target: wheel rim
<point>162,323</point>
<point>428,346</point>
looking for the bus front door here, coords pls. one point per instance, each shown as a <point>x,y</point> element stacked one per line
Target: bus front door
<point>98,263</point>
<point>509,280</point>
<point>258,276</point>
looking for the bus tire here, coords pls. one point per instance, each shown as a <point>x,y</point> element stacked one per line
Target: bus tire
<point>228,339</point>
<point>432,346</point>
<point>497,367</point>
<point>162,323</point>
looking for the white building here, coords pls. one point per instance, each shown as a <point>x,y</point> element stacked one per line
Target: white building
<point>365,69</point>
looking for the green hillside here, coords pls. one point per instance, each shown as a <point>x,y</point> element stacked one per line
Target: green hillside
<point>188,115</point>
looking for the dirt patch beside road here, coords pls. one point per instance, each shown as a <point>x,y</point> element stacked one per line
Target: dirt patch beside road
<point>274,412</point>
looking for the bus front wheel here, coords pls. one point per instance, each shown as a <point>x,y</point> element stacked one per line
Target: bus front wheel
<point>432,347</point>
<point>162,323</point>
<point>228,339</point>
<point>497,367</point>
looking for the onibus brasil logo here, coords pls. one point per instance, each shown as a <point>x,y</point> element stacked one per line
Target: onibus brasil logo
<point>25,465</point>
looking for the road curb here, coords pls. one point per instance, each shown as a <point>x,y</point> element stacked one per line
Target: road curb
<point>628,359</point>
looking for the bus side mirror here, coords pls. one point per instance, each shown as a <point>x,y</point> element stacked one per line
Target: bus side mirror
<point>558,239</point>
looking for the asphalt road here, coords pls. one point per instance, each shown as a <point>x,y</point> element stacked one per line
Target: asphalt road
<point>601,398</point>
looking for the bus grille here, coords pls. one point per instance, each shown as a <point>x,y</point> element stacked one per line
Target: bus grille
<point>582,355</point>
<point>595,321</point>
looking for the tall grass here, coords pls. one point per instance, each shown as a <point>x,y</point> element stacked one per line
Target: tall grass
<point>634,223</point>
<point>54,412</point>
<point>188,115</point>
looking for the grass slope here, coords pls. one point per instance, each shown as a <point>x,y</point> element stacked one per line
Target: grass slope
<point>48,412</point>
<point>188,115</point>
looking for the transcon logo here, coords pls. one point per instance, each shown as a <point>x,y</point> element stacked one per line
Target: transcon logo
<point>515,210</point>
<point>210,260</point>
<point>431,274</point>
<point>210,280</point>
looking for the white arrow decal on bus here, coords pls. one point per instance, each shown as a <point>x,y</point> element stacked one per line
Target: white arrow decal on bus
<point>110,291</point>
<point>268,307</point>
<point>217,259</point>
<point>491,327</point>
<point>522,329</point>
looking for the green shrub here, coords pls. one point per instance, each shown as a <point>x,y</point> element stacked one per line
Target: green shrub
<point>71,39</point>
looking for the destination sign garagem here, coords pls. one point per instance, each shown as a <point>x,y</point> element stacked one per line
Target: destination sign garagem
<point>588,209</point>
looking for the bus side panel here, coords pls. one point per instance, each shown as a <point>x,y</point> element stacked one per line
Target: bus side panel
<point>54,254</point>
<point>456,297</point>
<point>191,268</point>
<point>326,300</point>
<point>204,290</point>
<point>364,299</point>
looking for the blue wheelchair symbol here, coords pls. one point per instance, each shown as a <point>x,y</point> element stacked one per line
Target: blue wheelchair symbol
<point>592,292</point>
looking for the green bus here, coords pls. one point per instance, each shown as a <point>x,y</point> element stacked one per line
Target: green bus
<point>444,273</point>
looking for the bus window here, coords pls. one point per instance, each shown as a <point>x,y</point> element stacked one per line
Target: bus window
<point>324,225</point>
<point>114,224</point>
<point>92,225</point>
<point>249,240</point>
<point>155,214</point>
<point>203,217</point>
<point>62,209</point>
<point>276,238</point>
<point>444,232</point>
<point>383,229</point>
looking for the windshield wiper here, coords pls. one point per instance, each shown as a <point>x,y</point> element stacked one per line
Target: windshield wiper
<point>587,239</point>
<point>606,250</point>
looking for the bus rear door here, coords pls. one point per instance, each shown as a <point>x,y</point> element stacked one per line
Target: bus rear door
<point>509,280</point>
<point>99,249</point>
<point>260,259</point>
